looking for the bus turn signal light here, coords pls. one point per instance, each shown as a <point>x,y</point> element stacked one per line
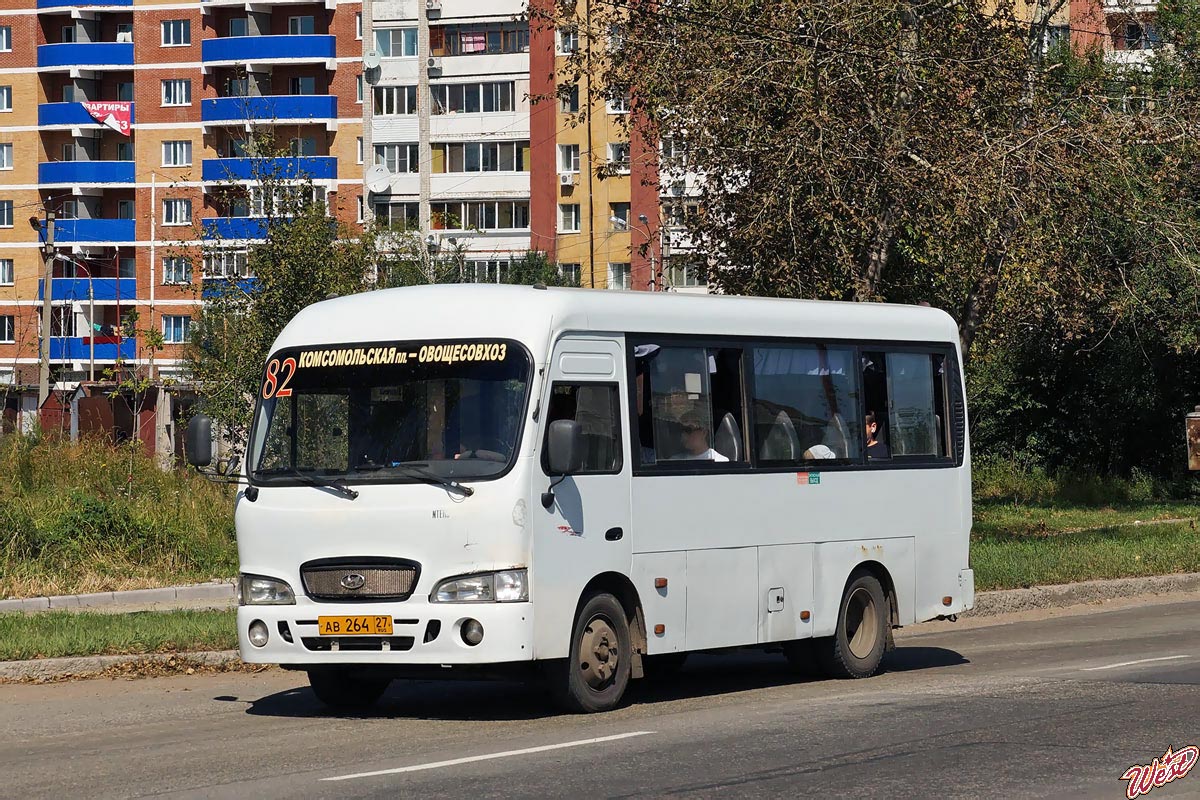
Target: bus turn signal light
<point>659,630</point>
<point>660,583</point>
<point>804,615</point>
<point>947,600</point>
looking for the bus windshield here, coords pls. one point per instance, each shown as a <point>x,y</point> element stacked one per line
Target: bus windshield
<point>390,411</point>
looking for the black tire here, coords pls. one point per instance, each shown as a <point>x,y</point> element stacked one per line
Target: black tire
<point>856,648</point>
<point>665,665</point>
<point>337,688</point>
<point>589,681</point>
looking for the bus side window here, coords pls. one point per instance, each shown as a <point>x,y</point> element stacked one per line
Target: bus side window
<point>805,407</point>
<point>595,407</point>
<point>875,405</point>
<point>695,404</point>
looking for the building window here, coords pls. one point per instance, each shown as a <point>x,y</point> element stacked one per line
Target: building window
<point>570,273</point>
<point>358,26</point>
<point>5,98</point>
<point>360,150</point>
<point>68,34</point>
<point>391,101</point>
<point>399,157</point>
<point>5,38</point>
<point>6,213</point>
<point>472,98</point>
<point>68,93</point>
<point>568,40</point>
<point>406,215</point>
<point>176,32</point>
<point>359,216</point>
<point>568,158</point>
<point>482,39</point>
<point>570,100</point>
<point>6,272</point>
<point>396,43</point>
<point>177,92</point>
<point>618,276</point>
<point>238,87</point>
<point>618,216</point>
<point>177,212</point>
<point>488,215</point>
<point>568,218</point>
<point>176,328</point>
<point>6,156</point>
<point>177,270</point>
<point>305,146</point>
<point>226,264</point>
<point>481,157</point>
<point>239,26</point>
<point>68,209</point>
<point>359,90</point>
<point>618,102</point>
<point>684,274</point>
<point>618,156</point>
<point>124,151</point>
<point>125,91</point>
<point>127,267</point>
<point>304,84</point>
<point>177,153</point>
<point>301,26</point>
<point>125,209</point>
<point>8,330</point>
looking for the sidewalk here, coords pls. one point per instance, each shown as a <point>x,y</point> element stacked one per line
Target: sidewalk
<point>215,594</point>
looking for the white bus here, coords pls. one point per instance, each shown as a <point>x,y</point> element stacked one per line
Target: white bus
<point>467,480</point>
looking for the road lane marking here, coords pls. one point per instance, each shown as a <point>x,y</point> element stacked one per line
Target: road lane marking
<point>506,754</point>
<point>1131,663</point>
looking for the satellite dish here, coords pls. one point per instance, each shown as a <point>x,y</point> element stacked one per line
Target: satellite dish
<point>371,59</point>
<point>378,179</point>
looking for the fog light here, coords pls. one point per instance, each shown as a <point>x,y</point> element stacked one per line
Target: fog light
<point>472,632</point>
<point>258,633</point>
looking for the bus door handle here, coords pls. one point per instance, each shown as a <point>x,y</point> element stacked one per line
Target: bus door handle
<point>613,534</point>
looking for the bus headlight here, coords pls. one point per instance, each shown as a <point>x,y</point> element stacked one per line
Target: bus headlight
<point>258,590</point>
<point>506,586</point>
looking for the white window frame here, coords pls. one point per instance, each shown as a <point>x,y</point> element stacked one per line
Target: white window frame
<point>170,87</point>
<point>615,150</point>
<point>407,36</point>
<point>389,153</point>
<point>359,99</point>
<point>361,151</point>
<point>173,147</point>
<point>572,271</point>
<point>6,105</point>
<point>170,266</point>
<point>361,206</point>
<point>358,26</point>
<point>172,206</point>
<point>6,213</point>
<point>612,214</point>
<point>7,272</point>
<point>6,156</point>
<point>618,104</point>
<point>9,321</point>
<point>568,158</point>
<point>563,37</point>
<point>563,218</point>
<point>5,38</point>
<point>625,270</point>
<point>170,321</point>
<point>396,98</point>
<point>298,22</point>
<point>176,32</point>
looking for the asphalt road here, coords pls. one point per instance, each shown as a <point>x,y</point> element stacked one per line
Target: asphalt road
<point>1038,707</point>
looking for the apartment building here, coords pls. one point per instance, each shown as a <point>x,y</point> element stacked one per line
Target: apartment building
<point>1127,31</point>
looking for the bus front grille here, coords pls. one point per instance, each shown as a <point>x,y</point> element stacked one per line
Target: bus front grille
<point>357,643</point>
<point>356,580</point>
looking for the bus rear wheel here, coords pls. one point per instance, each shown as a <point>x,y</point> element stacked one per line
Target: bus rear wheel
<point>340,689</point>
<point>596,674</point>
<point>857,646</point>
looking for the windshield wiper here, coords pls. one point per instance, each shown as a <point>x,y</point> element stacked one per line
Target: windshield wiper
<point>336,485</point>
<point>415,469</point>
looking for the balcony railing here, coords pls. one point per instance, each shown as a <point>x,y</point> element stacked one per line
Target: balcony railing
<point>315,168</point>
<point>86,172</point>
<point>92,55</point>
<point>79,348</point>
<point>103,289</point>
<point>73,114</point>
<point>269,108</point>
<point>253,49</point>
<point>235,228</point>
<point>100,231</point>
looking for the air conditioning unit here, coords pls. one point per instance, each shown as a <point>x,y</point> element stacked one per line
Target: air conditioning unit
<point>434,64</point>
<point>125,36</point>
<point>568,178</point>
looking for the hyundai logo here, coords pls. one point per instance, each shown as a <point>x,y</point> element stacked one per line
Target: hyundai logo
<point>353,581</point>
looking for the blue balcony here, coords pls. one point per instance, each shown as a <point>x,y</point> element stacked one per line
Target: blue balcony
<point>216,288</point>
<point>79,348</point>
<point>93,55</point>
<point>100,231</point>
<point>90,4</point>
<point>317,168</point>
<point>269,108</point>
<point>104,289</point>
<point>85,172</point>
<point>71,114</point>
<point>235,228</point>
<point>253,49</point>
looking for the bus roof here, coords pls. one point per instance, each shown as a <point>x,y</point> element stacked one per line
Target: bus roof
<point>531,315</point>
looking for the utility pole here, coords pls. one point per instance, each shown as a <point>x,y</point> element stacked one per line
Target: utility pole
<point>424,101</point>
<point>48,281</point>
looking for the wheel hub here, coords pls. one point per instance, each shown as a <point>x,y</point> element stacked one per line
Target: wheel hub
<point>599,656</point>
<point>862,623</point>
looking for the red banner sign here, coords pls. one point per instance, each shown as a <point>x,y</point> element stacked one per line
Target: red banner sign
<point>115,115</point>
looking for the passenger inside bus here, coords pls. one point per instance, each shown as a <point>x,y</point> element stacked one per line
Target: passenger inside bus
<point>694,436</point>
<point>875,446</point>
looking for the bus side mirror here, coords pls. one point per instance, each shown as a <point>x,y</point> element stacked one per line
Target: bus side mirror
<point>199,441</point>
<point>564,452</point>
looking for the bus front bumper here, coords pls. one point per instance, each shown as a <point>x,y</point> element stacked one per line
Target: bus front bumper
<point>422,634</point>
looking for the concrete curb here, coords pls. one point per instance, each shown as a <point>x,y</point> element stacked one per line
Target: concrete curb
<point>45,669</point>
<point>214,591</point>
<point>1007,601</point>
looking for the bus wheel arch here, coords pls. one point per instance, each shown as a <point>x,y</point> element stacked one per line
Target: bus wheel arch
<point>622,588</point>
<point>862,635</point>
<point>884,577</point>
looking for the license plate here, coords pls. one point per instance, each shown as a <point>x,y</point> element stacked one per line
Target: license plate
<point>354,626</point>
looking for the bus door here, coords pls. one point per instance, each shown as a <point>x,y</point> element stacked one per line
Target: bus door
<point>586,530</point>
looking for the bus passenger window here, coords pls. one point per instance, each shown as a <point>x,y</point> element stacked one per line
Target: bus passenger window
<point>805,407</point>
<point>875,406</point>
<point>695,409</point>
<point>595,407</point>
<point>914,426</point>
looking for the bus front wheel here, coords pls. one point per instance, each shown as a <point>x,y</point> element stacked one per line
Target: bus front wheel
<point>337,688</point>
<point>856,648</point>
<point>596,674</point>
